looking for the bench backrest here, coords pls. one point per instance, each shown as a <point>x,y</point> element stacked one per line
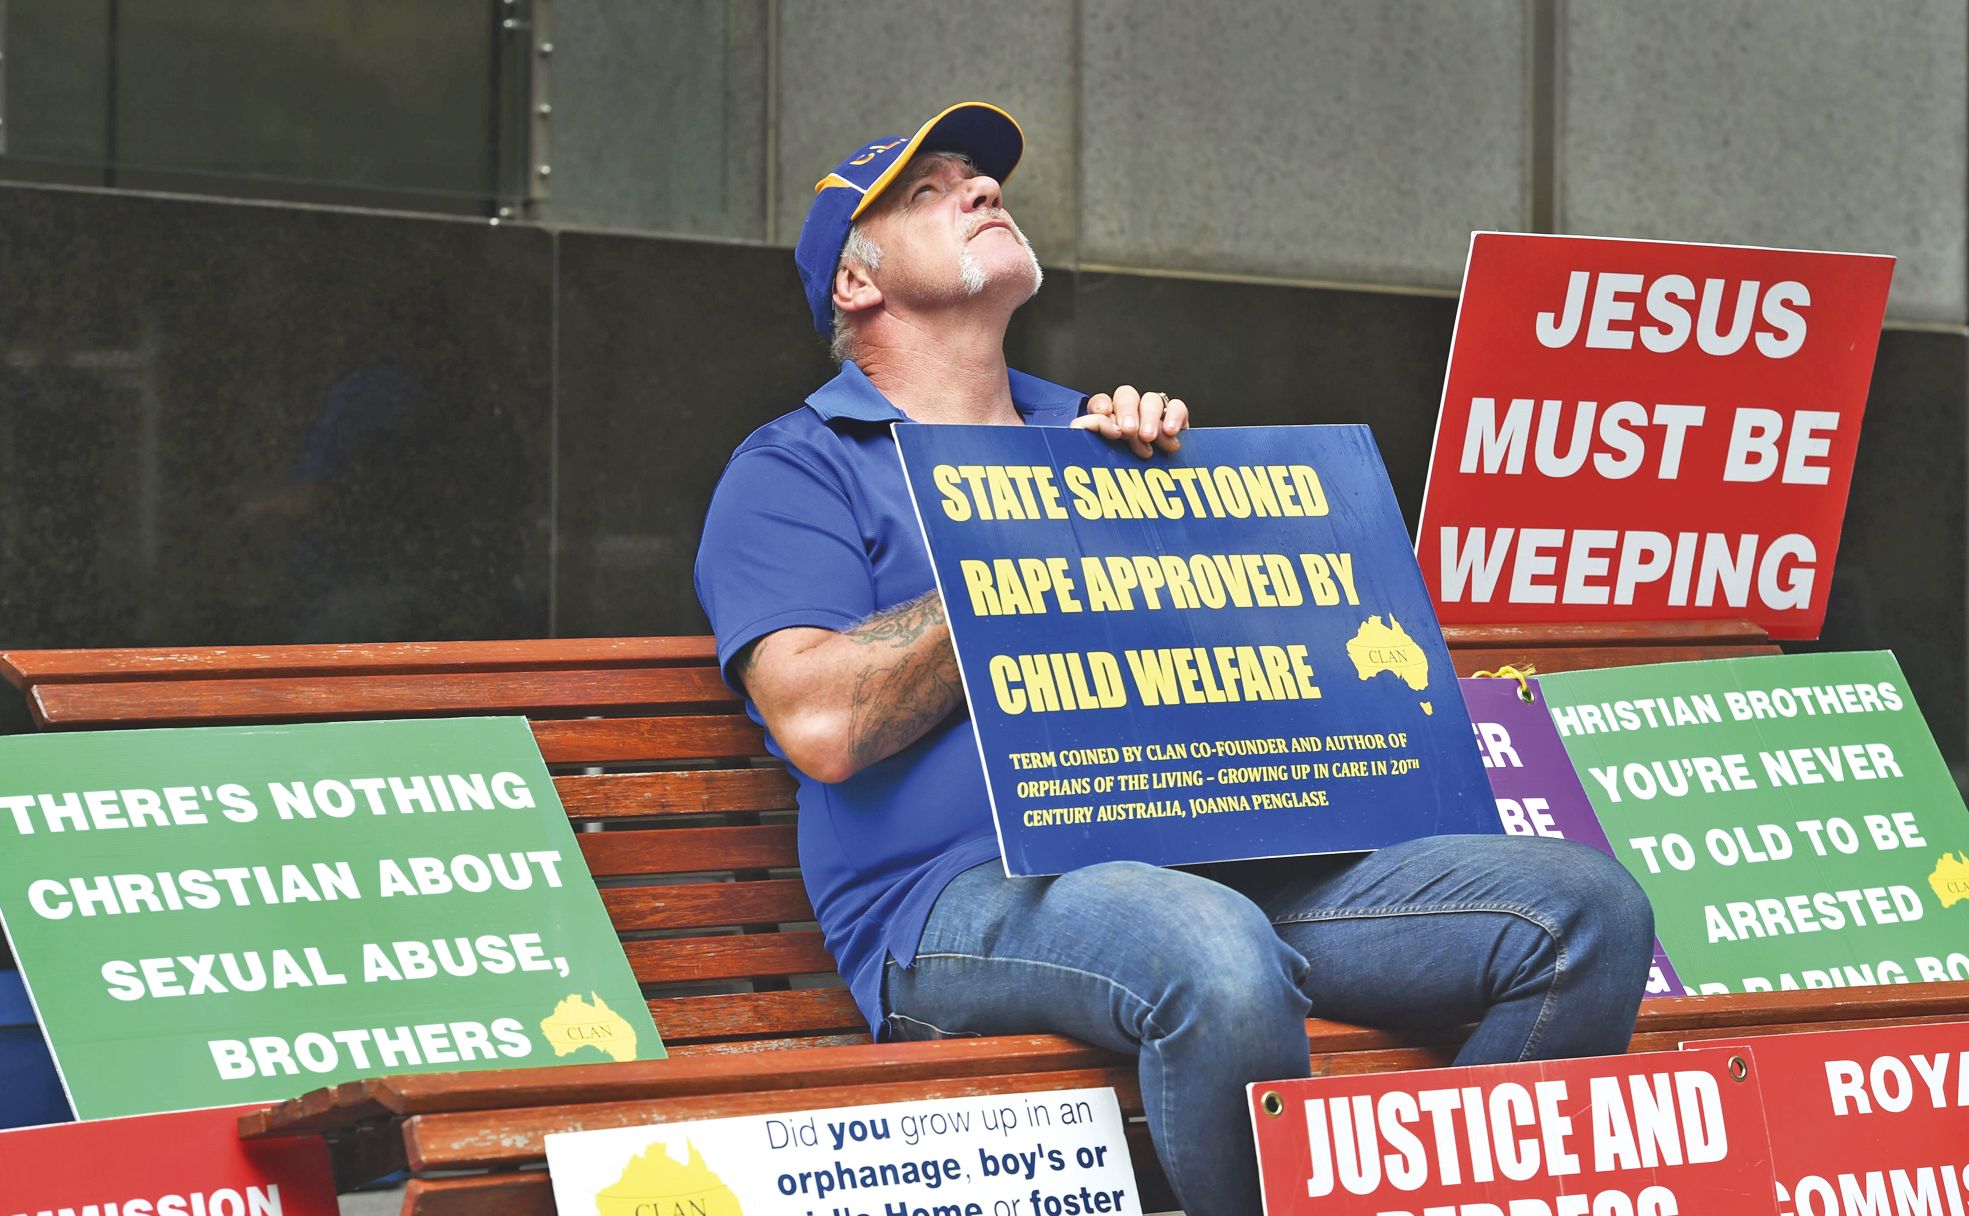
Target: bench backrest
<point>685,820</point>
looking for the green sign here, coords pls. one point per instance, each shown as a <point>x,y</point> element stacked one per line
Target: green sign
<point>211,917</point>
<point>1789,816</point>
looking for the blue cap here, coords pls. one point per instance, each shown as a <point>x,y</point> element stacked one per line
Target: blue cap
<point>983,132</point>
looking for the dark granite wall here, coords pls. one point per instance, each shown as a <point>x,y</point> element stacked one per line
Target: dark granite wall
<point>226,423</point>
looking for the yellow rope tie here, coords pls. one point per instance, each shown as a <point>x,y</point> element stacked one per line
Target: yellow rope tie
<point>1519,674</point>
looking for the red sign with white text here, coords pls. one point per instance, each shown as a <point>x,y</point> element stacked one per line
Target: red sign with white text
<point>1662,1134</point>
<point>1641,430</point>
<point>188,1164</point>
<point>1867,1120</point>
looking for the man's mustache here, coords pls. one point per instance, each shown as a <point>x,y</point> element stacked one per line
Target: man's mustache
<point>989,215</point>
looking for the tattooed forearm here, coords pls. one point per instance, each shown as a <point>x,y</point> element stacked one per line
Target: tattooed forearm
<point>894,703</point>
<point>840,700</point>
<point>901,625</point>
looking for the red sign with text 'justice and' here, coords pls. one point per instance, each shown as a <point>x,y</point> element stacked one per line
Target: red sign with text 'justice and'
<point>1659,1134</point>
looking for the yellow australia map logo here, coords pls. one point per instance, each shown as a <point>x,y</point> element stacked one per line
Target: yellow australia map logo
<point>657,1184</point>
<point>576,1023</point>
<point>1951,879</point>
<point>1385,646</point>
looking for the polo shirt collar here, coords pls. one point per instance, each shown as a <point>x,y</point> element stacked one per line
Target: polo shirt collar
<point>851,394</point>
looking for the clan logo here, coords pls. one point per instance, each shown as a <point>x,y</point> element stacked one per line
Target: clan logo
<point>656,1184</point>
<point>1950,879</point>
<point>576,1023</point>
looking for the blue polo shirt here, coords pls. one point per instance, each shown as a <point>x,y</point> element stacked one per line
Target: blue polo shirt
<point>811,524</point>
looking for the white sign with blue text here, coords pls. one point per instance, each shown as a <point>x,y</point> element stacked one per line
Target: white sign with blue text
<point>1058,1153</point>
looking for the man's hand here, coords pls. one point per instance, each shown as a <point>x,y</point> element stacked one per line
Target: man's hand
<point>1146,420</point>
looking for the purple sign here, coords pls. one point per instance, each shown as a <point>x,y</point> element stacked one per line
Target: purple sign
<point>1537,791</point>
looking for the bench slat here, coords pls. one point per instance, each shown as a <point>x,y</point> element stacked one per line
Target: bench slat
<point>327,698</point>
<point>687,1019</point>
<point>798,1042</point>
<point>689,850</point>
<point>1549,659</point>
<point>1358,1063</point>
<point>708,905</point>
<point>509,1138</point>
<point>353,1102</point>
<point>635,740</point>
<point>1930,1002</point>
<point>28,667</point>
<point>1603,633</point>
<point>518,1193</point>
<point>751,956</point>
<point>22,668</point>
<point>690,792</point>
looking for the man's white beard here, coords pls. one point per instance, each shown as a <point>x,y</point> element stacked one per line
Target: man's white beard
<point>974,277</point>
<point>970,273</point>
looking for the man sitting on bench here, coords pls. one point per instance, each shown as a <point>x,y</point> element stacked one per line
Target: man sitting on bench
<point>819,588</point>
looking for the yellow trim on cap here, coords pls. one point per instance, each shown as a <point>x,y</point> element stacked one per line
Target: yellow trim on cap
<point>876,187</point>
<point>833,179</point>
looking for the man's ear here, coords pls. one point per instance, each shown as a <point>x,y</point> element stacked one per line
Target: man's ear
<point>854,290</point>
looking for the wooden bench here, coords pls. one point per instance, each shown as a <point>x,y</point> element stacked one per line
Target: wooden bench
<point>687,826</point>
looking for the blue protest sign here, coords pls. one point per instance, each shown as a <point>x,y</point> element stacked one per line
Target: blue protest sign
<point>1226,653</point>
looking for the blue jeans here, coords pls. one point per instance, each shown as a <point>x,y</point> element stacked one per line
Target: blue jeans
<point>1544,944</point>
